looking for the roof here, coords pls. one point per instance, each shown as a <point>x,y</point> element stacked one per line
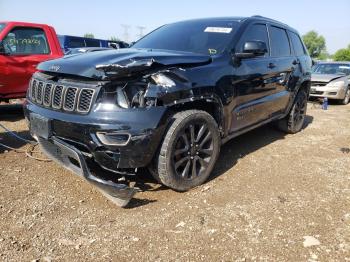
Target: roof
<point>334,62</point>
<point>23,23</point>
<point>242,19</point>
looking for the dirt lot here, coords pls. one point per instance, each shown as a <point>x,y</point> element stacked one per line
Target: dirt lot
<point>271,197</point>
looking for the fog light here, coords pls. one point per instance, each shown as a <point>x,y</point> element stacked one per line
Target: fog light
<point>114,138</point>
<point>332,93</point>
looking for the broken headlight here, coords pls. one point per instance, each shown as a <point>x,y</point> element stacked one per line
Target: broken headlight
<point>162,80</point>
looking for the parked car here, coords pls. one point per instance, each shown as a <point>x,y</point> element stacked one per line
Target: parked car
<point>169,102</point>
<point>68,42</point>
<point>22,47</point>
<point>331,80</point>
<point>83,50</point>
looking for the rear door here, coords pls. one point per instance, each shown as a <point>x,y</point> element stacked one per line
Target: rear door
<point>283,65</point>
<point>302,63</point>
<point>25,47</point>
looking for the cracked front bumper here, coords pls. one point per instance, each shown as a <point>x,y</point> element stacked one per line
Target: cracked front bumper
<point>73,160</point>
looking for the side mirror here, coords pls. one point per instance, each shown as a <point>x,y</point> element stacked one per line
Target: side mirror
<point>253,49</point>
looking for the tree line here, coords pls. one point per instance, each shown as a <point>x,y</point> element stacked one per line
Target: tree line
<point>316,45</point>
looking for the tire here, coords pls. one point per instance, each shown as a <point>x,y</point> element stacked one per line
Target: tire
<point>188,152</point>
<point>346,99</point>
<point>294,121</point>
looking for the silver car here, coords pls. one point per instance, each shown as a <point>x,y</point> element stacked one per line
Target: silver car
<point>331,80</point>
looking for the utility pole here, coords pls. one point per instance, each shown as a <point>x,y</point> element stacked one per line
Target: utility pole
<point>141,28</point>
<point>126,32</point>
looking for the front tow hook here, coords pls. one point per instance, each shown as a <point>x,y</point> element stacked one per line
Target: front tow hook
<point>72,159</point>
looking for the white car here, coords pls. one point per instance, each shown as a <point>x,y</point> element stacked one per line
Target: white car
<point>331,80</point>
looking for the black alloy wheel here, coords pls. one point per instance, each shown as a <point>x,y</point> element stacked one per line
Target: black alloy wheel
<point>189,150</point>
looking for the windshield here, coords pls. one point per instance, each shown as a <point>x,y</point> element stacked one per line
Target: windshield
<point>204,37</point>
<point>333,69</point>
<point>2,26</point>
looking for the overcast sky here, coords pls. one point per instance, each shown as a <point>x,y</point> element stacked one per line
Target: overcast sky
<point>104,18</point>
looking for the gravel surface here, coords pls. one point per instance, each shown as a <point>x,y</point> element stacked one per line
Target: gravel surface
<point>271,197</point>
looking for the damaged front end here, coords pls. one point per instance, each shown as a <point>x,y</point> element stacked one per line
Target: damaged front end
<point>123,123</point>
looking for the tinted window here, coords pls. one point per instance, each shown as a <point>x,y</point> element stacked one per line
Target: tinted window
<point>206,37</point>
<point>255,32</point>
<point>2,26</point>
<point>76,42</point>
<point>279,42</point>
<point>297,44</point>
<point>26,41</point>
<point>92,42</point>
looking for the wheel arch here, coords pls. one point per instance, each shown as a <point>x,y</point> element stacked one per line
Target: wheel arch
<point>211,104</point>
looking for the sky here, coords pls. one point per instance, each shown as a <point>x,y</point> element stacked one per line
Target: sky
<point>105,18</point>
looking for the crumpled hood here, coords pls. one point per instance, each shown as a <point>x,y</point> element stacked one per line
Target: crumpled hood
<point>120,63</point>
<point>325,77</point>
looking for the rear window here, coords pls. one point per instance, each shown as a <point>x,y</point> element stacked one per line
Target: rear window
<point>297,44</point>
<point>279,42</point>
<point>26,40</point>
<point>2,26</point>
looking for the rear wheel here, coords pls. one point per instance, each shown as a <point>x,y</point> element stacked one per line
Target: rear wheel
<point>346,99</point>
<point>189,151</point>
<point>294,121</point>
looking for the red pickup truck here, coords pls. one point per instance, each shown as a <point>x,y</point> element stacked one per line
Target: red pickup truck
<point>22,47</point>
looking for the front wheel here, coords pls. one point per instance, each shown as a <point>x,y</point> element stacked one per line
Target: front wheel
<point>294,121</point>
<point>189,150</point>
<point>346,99</point>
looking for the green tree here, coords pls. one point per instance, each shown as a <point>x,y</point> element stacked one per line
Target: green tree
<point>89,35</point>
<point>342,55</point>
<point>113,38</point>
<point>315,43</point>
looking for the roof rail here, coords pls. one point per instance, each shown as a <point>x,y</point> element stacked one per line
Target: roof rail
<point>273,20</point>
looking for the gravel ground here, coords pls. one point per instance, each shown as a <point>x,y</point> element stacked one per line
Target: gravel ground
<point>272,197</point>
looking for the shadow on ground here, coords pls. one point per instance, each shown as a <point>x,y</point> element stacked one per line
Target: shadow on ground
<point>11,113</point>
<point>229,155</point>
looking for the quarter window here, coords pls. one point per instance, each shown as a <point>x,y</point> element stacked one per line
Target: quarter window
<point>26,41</point>
<point>279,42</point>
<point>257,32</point>
<point>297,44</point>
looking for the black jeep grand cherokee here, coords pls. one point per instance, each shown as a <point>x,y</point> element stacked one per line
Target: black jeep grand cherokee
<point>170,101</point>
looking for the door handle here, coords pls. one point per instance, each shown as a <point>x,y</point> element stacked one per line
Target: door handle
<point>296,62</point>
<point>271,65</point>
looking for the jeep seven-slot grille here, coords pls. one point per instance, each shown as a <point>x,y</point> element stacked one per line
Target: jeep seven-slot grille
<point>61,97</point>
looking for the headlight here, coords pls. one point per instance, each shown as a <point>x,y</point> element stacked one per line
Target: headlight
<point>162,80</point>
<point>336,84</point>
